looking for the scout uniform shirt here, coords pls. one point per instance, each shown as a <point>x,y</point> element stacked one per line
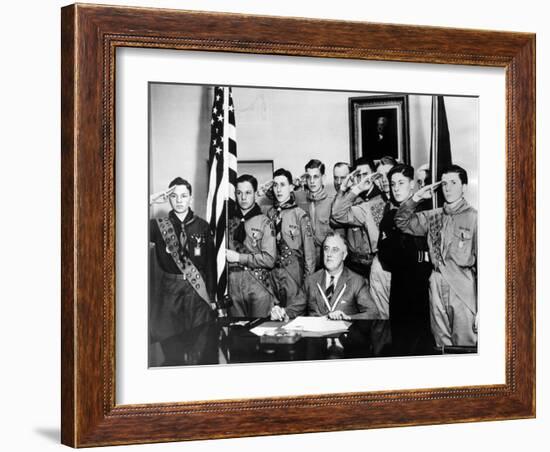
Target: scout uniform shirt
<point>295,249</point>
<point>250,284</point>
<point>362,215</point>
<point>198,246</point>
<point>179,300</point>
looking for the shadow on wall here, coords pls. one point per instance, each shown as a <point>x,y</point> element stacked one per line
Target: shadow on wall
<point>201,175</point>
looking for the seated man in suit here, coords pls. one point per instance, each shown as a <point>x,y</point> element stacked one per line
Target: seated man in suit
<point>334,291</point>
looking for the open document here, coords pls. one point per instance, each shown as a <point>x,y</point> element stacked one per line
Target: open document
<point>319,325</point>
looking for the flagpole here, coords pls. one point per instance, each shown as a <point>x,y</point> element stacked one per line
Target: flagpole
<point>435,149</point>
<point>226,95</point>
<point>226,168</point>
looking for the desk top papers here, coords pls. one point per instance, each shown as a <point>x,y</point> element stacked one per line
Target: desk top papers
<point>319,325</point>
<point>266,328</point>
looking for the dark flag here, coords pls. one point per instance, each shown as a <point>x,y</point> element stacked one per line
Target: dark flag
<point>223,177</point>
<point>440,145</point>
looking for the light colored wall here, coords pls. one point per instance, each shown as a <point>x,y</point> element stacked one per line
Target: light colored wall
<point>288,126</point>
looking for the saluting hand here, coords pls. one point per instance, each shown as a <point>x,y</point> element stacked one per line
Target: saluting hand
<point>366,183</point>
<point>348,181</point>
<point>264,189</point>
<point>426,192</point>
<point>161,196</point>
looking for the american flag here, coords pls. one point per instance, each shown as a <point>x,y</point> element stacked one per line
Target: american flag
<point>223,176</point>
<point>440,146</point>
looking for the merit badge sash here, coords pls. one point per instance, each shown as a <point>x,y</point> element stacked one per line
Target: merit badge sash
<point>184,264</point>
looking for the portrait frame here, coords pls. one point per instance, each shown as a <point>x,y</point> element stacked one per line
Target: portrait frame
<point>363,114</point>
<point>90,36</point>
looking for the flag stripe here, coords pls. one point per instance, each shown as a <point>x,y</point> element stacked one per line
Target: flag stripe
<point>223,176</point>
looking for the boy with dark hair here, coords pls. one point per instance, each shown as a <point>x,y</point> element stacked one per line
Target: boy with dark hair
<point>405,257</point>
<point>451,232</point>
<point>294,238</point>
<point>359,206</point>
<point>251,254</point>
<point>184,250</point>
<point>318,205</point>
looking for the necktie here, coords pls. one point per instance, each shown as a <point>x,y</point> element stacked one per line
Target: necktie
<point>183,241</point>
<point>330,289</point>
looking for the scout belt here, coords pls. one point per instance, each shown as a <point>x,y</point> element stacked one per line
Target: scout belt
<point>261,275</point>
<point>184,264</point>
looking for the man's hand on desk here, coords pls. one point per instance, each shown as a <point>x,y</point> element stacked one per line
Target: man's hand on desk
<point>279,314</point>
<point>338,315</point>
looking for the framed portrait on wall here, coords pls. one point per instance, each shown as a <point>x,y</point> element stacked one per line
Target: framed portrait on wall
<point>379,127</point>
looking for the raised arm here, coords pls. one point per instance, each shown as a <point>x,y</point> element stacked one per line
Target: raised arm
<point>345,212</point>
<point>409,221</point>
<point>415,223</point>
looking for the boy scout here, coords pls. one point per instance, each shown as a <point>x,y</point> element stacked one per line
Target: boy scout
<point>185,253</point>
<point>405,256</point>
<point>451,232</point>
<point>295,243</point>
<point>380,279</point>
<point>319,204</point>
<point>360,208</point>
<point>251,254</point>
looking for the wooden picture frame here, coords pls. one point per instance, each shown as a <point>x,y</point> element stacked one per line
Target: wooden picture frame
<point>369,113</point>
<point>90,37</point>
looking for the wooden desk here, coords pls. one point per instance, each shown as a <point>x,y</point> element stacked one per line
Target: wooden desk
<point>226,341</point>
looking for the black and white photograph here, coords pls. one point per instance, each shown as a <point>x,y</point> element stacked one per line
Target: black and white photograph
<point>299,225</point>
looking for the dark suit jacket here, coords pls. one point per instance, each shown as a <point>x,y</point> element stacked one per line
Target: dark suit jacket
<point>354,300</point>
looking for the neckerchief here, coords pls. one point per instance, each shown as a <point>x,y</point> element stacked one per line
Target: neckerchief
<point>439,227</point>
<point>289,204</point>
<point>459,207</point>
<point>240,234</point>
<point>318,195</point>
<point>314,198</point>
<point>180,228</point>
<point>375,191</point>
